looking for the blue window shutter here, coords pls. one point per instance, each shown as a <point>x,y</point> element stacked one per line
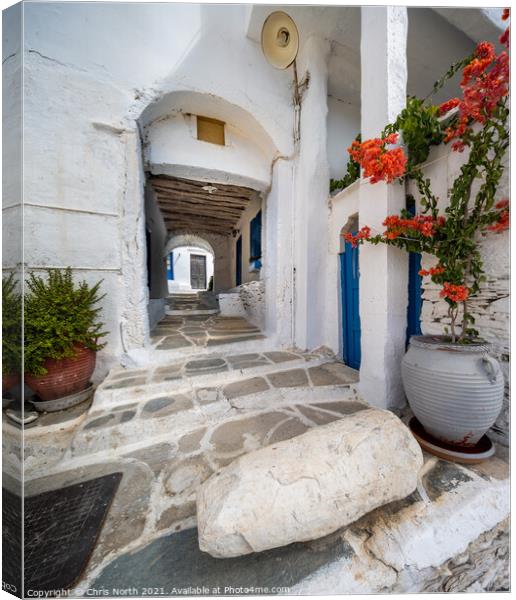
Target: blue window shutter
<point>171,266</point>
<point>256,237</point>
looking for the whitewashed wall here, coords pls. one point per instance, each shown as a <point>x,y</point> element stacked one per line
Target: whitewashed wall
<point>12,128</point>
<point>87,82</point>
<point>172,147</point>
<point>343,208</point>
<point>343,123</point>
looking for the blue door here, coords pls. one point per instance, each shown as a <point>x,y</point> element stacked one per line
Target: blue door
<point>415,300</point>
<point>349,276</point>
<point>170,266</point>
<point>239,261</point>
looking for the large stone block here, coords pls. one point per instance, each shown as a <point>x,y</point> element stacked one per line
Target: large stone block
<point>309,486</point>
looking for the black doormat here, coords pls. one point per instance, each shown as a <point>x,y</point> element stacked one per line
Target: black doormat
<point>61,530</point>
<point>11,542</point>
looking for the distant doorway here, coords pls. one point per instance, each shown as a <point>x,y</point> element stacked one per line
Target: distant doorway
<point>198,271</point>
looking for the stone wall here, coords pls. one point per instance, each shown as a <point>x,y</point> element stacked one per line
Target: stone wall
<point>252,295</point>
<point>490,307</point>
<point>483,567</point>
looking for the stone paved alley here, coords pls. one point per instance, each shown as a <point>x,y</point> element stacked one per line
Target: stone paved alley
<point>169,426</point>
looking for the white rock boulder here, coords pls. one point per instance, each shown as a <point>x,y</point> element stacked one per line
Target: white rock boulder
<point>309,486</point>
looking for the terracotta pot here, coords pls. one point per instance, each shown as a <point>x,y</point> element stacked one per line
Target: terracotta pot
<point>64,377</point>
<point>9,381</point>
<point>455,391</point>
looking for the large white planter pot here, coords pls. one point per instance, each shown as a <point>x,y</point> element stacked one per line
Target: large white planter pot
<point>455,391</point>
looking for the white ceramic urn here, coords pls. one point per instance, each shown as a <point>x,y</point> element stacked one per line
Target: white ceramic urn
<point>454,390</point>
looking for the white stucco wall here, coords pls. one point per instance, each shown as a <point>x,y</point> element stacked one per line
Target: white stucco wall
<point>343,207</point>
<point>87,82</point>
<point>343,123</point>
<point>172,148</point>
<point>12,125</point>
<point>181,281</point>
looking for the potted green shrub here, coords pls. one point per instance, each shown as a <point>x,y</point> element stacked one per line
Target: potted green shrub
<point>62,333</point>
<point>453,386</point>
<point>11,333</point>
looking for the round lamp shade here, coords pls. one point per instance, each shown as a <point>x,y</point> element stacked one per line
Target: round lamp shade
<point>280,40</point>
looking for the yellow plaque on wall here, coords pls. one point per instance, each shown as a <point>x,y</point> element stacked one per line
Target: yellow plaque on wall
<point>210,130</point>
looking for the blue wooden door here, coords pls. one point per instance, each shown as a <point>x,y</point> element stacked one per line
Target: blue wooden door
<point>415,300</point>
<point>239,261</point>
<point>170,266</point>
<point>349,276</point>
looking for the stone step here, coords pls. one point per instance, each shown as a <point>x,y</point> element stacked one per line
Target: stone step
<point>185,312</point>
<point>155,410</point>
<point>206,425</point>
<point>451,535</point>
<point>217,369</point>
<point>193,304</point>
<point>177,336</point>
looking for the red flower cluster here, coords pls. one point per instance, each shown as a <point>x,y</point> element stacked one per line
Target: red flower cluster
<point>502,224</point>
<point>363,234</point>
<point>424,224</point>
<point>432,271</point>
<point>379,163</point>
<point>503,217</point>
<point>484,83</point>
<point>504,38</point>
<point>448,105</point>
<point>455,293</point>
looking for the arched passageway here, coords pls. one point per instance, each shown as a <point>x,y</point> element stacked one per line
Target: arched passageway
<point>190,264</point>
<point>207,170</point>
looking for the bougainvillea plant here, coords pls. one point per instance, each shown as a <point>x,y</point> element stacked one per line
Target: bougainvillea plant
<point>478,122</point>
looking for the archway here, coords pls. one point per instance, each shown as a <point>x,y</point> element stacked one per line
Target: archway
<point>204,191</point>
<point>190,263</point>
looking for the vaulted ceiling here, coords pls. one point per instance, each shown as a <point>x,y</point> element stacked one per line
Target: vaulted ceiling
<point>200,206</point>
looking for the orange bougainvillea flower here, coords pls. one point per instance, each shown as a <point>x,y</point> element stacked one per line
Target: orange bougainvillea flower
<point>502,224</point>
<point>354,240</point>
<point>504,203</point>
<point>504,38</point>
<point>448,105</point>
<point>377,161</point>
<point>438,270</point>
<point>455,293</point>
<point>485,81</point>
<point>426,225</point>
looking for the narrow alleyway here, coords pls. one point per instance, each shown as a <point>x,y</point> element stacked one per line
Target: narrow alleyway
<point>166,428</point>
<point>203,400</point>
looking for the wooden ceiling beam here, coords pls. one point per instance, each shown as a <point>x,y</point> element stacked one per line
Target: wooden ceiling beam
<point>197,227</point>
<point>188,208</point>
<point>188,185</point>
<point>202,196</point>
